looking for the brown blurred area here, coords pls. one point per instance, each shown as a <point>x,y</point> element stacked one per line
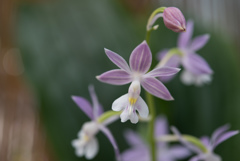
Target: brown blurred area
<point>21,135</point>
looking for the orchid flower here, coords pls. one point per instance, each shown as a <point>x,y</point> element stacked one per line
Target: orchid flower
<point>140,151</point>
<point>86,143</point>
<point>197,70</point>
<point>140,62</point>
<point>218,136</point>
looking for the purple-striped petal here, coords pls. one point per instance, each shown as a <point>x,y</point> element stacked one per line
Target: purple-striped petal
<point>185,37</point>
<point>115,77</point>
<point>224,137</point>
<point>141,58</point>
<point>162,72</point>
<point>97,108</point>
<point>110,137</point>
<point>156,88</point>
<point>218,132</point>
<point>161,126</point>
<point>196,64</point>
<point>136,154</point>
<point>84,105</point>
<point>133,138</point>
<point>199,42</point>
<point>117,60</point>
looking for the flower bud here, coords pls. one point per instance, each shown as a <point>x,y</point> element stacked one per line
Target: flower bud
<point>174,19</point>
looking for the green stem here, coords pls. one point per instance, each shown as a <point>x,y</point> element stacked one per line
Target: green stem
<point>150,102</point>
<point>173,138</point>
<point>107,115</point>
<point>168,56</point>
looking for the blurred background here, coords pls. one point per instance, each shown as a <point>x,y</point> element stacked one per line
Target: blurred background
<point>50,50</point>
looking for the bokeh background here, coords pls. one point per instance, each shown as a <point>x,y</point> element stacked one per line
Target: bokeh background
<point>50,50</point>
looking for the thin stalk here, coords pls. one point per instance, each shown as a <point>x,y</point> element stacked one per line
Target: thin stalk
<point>150,102</point>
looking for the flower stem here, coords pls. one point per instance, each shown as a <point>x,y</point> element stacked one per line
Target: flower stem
<point>107,115</point>
<point>168,56</point>
<point>150,102</point>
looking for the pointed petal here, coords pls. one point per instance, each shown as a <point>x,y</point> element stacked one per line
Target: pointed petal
<point>218,132</point>
<point>117,60</point>
<point>162,71</point>
<point>110,137</point>
<point>184,142</point>
<point>225,136</point>
<point>133,138</point>
<point>141,58</point>
<point>110,120</point>
<point>196,64</point>
<point>199,42</point>
<point>179,152</point>
<point>156,88</point>
<point>115,77</point>
<point>161,126</point>
<point>124,115</point>
<point>97,108</point>
<point>134,117</point>
<point>84,105</point>
<point>142,107</point>
<point>91,148</point>
<point>185,37</point>
<point>120,103</point>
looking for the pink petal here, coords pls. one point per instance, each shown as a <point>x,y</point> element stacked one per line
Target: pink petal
<point>141,58</point>
<point>196,64</point>
<point>218,132</point>
<point>163,71</point>
<point>115,77</point>
<point>224,137</point>
<point>156,88</point>
<point>97,108</point>
<point>110,137</point>
<point>117,60</point>
<point>185,37</point>
<point>161,126</point>
<point>199,42</point>
<point>84,105</point>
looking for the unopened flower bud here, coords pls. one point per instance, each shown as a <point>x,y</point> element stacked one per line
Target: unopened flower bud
<point>174,19</point>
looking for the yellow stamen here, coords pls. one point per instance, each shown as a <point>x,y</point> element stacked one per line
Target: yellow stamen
<point>132,101</point>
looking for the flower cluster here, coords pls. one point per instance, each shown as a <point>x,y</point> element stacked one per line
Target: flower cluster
<point>131,106</point>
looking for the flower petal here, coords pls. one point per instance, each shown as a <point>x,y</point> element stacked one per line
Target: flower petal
<point>142,107</point>
<point>184,142</point>
<point>137,154</point>
<point>117,60</point>
<point>162,71</point>
<point>196,64</point>
<point>218,132</point>
<point>110,137</point>
<point>134,117</point>
<point>141,58</point>
<point>185,37</point>
<point>196,158</point>
<point>156,88</point>
<point>124,115</point>
<point>199,42</point>
<point>133,138</point>
<point>179,152</point>
<point>97,108</point>
<point>120,103</point>
<point>115,77</point>
<point>174,61</point>
<point>91,148</point>
<point>161,126</point>
<point>84,105</point>
<point>224,137</point>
